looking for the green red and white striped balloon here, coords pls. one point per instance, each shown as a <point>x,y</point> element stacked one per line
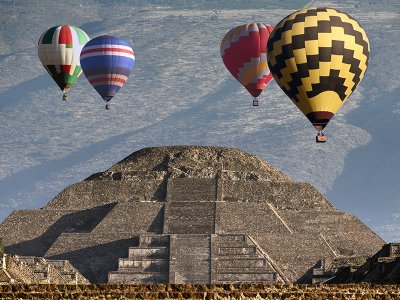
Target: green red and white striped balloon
<point>59,50</point>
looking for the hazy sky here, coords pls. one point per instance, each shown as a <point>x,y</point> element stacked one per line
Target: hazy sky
<point>181,93</point>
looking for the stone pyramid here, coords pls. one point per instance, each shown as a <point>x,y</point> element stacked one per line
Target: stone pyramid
<point>189,214</point>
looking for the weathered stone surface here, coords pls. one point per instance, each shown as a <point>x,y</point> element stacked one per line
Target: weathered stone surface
<point>100,192</point>
<point>222,214</point>
<point>147,263</point>
<point>31,269</point>
<point>190,258</point>
<point>281,194</point>
<point>190,218</point>
<point>383,267</point>
<point>190,291</point>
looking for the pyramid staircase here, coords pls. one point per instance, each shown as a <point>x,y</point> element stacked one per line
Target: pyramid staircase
<point>190,260</point>
<point>240,260</point>
<point>147,263</point>
<point>196,258</point>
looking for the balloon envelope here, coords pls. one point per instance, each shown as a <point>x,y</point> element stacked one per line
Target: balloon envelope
<point>59,50</point>
<point>318,56</point>
<point>244,53</point>
<point>107,63</point>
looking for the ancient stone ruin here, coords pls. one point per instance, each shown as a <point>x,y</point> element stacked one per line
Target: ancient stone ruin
<point>29,269</point>
<point>184,214</point>
<point>383,267</point>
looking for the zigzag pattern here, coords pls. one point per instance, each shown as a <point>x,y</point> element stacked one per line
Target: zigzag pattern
<point>317,50</point>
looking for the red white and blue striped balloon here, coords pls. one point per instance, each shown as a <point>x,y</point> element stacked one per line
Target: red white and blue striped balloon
<point>107,63</point>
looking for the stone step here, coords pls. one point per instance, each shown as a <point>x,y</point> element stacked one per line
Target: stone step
<point>149,269</point>
<point>386,259</point>
<point>226,251</point>
<point>193,241</point>
<point>240,257</point>
<point>154,240</point>
<point>57,262</point>
<point>239,262</point>
<point>190,258</point>
<point>192,189</point>
<point>246,270</point>
<point>145,264</point>
<point>178,227</point>
<point>29,260</point>
<point>128,277</point>
<point>190,218</point>
<point>39,268</point>
<point>247,277</point>
<point>193,277</point>
<point>148,252</point>
<point>40,274</point>
<point>69,274</point>
<point>236,240</point>
<point>188,206</point>
<point>193,265</point>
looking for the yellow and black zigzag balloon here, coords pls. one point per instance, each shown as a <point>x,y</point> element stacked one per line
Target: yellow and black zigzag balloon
<point>318,56</point>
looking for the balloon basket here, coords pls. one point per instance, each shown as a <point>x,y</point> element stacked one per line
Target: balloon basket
<point>320,138</point>
<point>255,102</point>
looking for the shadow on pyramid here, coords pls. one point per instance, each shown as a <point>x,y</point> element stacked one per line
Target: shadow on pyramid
<point>190,214</point>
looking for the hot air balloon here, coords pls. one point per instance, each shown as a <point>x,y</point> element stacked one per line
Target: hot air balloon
<point>244,53</point>
<point>107,62</point>
<point>318,56</point>
<point>59,49</point>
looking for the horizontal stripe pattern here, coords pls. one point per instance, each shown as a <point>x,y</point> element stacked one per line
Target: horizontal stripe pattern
<point>107,63</point>
<point>105,70</point>
<point>104,79</point>
<point>108,50</point>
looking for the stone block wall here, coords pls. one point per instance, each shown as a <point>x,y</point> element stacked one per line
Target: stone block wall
<point>95,193</point>
<point>190,258</point>
<point>234,217</point>
<point>34,236</point>
<point>273,232</point>
<point>192,189</point>
<point>190,217</point>
<point>188,192</point>
<point>73,242</point>
<point>29,269</point>
<point>134,217</point>
<point>94,255</point>
<point>326,225</point>
<point>198,291</point>
<point>283,195</point>
<point>301,252</point>
<point>24,225</point>
<point>240,260</point>
<point>147,263</point>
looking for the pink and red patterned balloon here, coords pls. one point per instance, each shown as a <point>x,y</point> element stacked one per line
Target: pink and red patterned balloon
<point>244,53</point>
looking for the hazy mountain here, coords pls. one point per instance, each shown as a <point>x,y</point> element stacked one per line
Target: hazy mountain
<point>181,93</point>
